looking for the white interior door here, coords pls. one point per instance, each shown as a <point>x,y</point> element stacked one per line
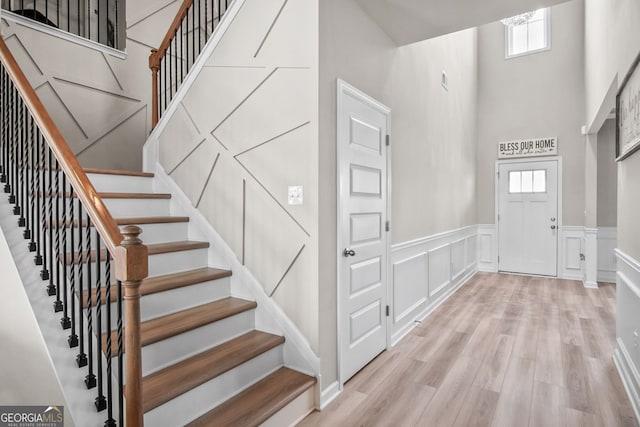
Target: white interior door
<point>528,220</point>
<point>362,214</point>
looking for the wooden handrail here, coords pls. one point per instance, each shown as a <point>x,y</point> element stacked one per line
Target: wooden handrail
<point>91,201</point>
<point>158,54</point>
<point>130,255</point>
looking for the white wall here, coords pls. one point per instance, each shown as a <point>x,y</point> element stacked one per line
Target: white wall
<point>101,107</point>
<point>536,95</point>
<point>244,132</point>
<point>433,136</point>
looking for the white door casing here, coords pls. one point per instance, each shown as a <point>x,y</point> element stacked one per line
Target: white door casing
<point>528,217</point>
<point>363,206</point>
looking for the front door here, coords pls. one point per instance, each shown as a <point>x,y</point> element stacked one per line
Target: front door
<point>363,126</point>
<point>528,217</point>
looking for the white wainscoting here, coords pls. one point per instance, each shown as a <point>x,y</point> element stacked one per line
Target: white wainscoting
<point>487,248</point>
<point>607,242</point>
<point>427,271</point>
<point>627,353</point>
<point>570,246</point>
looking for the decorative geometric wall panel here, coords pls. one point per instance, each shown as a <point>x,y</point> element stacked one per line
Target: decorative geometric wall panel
<point>107,150</point>
<point>179,139</point>
<point>250,27</point>
<point>145,22</point>
<point>222,202</point>
<point>96,99</point>
<point>74,134</point>
<point>270,244</point>
<point>409,285</point>
<point>218,91</point>
<point>293,16</point>
<point>192,173</point>
<point>269,111</point>
<point>292,145</point>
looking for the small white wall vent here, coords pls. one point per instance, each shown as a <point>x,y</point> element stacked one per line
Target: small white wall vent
<point>444,80</point>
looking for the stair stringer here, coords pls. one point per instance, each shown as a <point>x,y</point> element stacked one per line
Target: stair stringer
<point>269,317</point>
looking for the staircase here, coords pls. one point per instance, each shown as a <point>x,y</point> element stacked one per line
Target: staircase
<point>203,361</point>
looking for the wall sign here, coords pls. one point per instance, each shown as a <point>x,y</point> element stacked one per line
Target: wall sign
<point>628,114</point>
<point>528,148</point>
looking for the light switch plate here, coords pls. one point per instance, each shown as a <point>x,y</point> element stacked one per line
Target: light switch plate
<point>296,194</point>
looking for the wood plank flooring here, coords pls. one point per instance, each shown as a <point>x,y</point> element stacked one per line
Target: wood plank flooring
<point>505,350</point>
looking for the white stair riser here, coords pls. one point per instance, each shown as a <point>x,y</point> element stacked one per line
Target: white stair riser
<point>167,352</point>
<point>192,404</point>
<point>116,183</point>
<point>124,208</point>
<point>175,262</point>
<point>172,301</point>
<point>160,233</point>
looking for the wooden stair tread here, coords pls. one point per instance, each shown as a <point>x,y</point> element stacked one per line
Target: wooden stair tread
<point>117,195</point>
<point>162,386</point>
<point>118,172</point>
<point>259,402</point>
<point>153,248</point>
<point>173,324</point>
<point>152,285</point>
<point>183,245</point>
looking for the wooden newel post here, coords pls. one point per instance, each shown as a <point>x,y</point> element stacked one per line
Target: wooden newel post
<point>154,64</point>
<point>131,268</point>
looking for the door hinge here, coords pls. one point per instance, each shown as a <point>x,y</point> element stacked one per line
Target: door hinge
<point>498,175</point>
<point>498,217</point>
<point>498,259</point>
<point>387,140</point>
<point>387,311</point>
<point>387,227</point>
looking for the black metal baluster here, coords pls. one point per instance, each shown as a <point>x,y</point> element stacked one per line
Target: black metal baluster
<point>69,15</point>
<point>206,18</point>
<point>81,358</point>
<point>107,280</point>
<point>78,8</point>
<point>117,29</point>
<point>3,141</point>
<point>98,24</point>
<point>73,337</point>
<point>32,222</point>
<point>186,36</point>
<point>200,26</point>
<point>120,357</point>
<point>174,47</point>
<point>181,59</point>
<point>57,195</point>
<point>19,207</point>
<point>88,19</point>
<point>100,401</point>
<point>90,379</point>
<point>9,188</point>
<point>51,288</point>
<point>58,13</point>
<point>65,322</point>
<point>9,137</point>
<point>46,9</point>
<point>40,257</point>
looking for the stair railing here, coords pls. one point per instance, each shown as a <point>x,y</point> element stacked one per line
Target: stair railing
<point>74,240</point>
<point>170,63</point>
<point>100,21</point>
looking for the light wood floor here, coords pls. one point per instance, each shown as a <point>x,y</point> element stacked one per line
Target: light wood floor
<point>505,350</point>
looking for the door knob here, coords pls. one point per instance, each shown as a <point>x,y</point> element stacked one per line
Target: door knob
<point>348,252</point>
<point>553,227</point>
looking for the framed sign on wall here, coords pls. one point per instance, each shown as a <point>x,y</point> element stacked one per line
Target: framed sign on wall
<point>628,114</point>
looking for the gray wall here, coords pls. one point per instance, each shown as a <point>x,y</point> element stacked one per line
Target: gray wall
<point>536,95</point>
<point>433,134</point>
<point>607,175</point>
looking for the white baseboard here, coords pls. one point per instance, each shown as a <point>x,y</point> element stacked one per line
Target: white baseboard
<point>329,394</point>
<point>629,376</point>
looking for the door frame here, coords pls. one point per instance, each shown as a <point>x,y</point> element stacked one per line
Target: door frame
<point>559,244</point>
<point>344,88</point>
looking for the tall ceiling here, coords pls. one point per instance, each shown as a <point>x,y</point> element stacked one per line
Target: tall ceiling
<point>410,21</point>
